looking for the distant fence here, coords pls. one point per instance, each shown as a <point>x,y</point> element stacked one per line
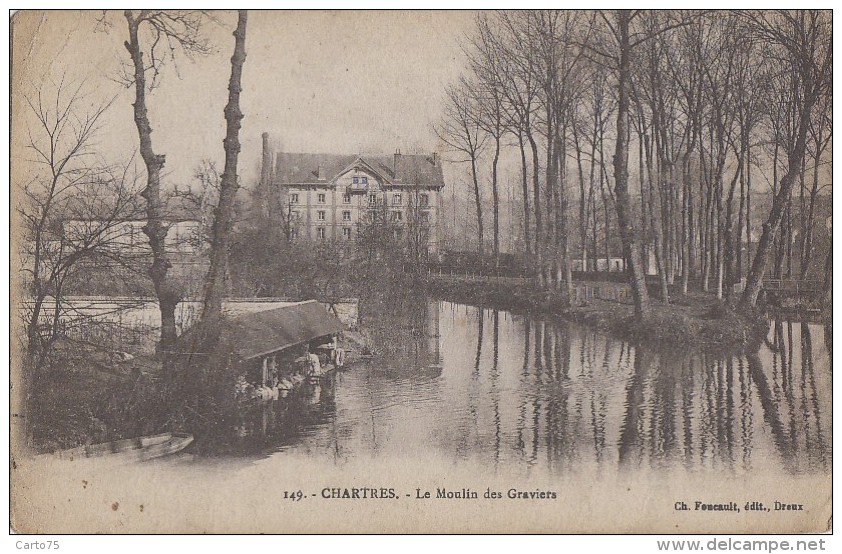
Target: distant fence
<point>794,286</point>
<point>581,291</point>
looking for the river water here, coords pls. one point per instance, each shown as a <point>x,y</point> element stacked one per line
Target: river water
<point>510,394</point>
<point>618,438</point>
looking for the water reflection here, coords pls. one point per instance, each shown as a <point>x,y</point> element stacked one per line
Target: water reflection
<point>512,392</point>
<point>286,420</point>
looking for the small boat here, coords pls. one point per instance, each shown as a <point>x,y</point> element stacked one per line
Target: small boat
<point>138,449</point>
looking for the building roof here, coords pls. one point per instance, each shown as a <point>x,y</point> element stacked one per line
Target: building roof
<point>255,334</point>
<point>398,169</point>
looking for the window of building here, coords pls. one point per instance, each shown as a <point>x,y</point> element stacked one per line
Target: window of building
<point>364,180</point>
<point>399,233</point>
<point>346,233</point>
<point>424,200</point>
<point>321,198</point>
<point>294,215</point>
<point>372,199</point>
<point>397,216</point>
<point>346,216</point>
<point>346,198</point>
<point>293,233</point>
<point>396,200</point>
<point>425,217</point>
<point>320,215</point>
<point>320,233</point>
<point>356,180</point>
<point>293,198</point>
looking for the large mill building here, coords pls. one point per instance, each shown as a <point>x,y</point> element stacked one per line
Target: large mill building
<point>330,197</point>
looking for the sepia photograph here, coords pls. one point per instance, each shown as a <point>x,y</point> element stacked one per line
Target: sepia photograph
<point>554,271</point>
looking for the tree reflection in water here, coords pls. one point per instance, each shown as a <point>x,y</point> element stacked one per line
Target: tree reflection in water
<point>512,391</point>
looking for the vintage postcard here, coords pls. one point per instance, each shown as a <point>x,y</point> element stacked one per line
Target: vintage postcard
<point>421,271</point>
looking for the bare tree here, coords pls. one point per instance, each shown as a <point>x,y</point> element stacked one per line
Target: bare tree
<point>153,38</point>
<point>801,42</point>
<point>520,86</point>
<point>622,50</point>
<point>821,134</point>
<point>616,47</point>
<point>488,64</point>
<point>223,214</point>
<point>461,131</point>
<point>73,206</point>
<point>199,197</point>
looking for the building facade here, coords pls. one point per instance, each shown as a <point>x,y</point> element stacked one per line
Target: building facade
<point>333,197</point>
<point>120,255</point>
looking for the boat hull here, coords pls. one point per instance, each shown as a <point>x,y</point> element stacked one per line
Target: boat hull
<point>138,449</point>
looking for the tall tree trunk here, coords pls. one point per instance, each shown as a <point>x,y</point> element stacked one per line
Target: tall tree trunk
<point>495,199</point>
<point>740,213</point>
<point>645,208</point>
<point>631,247</point>
<point>821,143</point>
<point>828,278</point>
<point>583,207</point>
<point>686,224</point>
<point>223,215</point>
<point>807,248</point>
<point>550,183</point>
<point>565,276</point>
<point>525,183</point>
<point>603,185</point>
<point>536,203</point>
<point>155,228</point>
<point>795,159</point>
<point>730,256</point>
<point>478,201</point>
<point>656,213</point>
<point>704,216</point>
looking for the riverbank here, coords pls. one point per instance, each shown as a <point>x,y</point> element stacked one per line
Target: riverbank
<point>94,394</point>
<point>90,394</point>
<point>696,319</point>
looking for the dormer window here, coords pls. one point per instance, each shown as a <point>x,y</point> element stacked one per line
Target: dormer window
<point>356,180</point>
<point>364,180</point>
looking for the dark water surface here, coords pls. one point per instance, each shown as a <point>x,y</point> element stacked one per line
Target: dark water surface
<point>513,393</point>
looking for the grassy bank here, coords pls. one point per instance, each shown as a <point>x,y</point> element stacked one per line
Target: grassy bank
<point>696,319</point>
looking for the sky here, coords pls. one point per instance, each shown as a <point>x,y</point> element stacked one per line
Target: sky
<point>340,82</point>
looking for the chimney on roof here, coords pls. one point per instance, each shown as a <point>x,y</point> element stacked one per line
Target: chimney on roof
<point>321,173</point>
<point>435,158</point>
<point>397,161</point>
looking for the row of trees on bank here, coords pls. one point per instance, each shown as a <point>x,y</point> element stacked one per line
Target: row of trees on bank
<point>654,126</point>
